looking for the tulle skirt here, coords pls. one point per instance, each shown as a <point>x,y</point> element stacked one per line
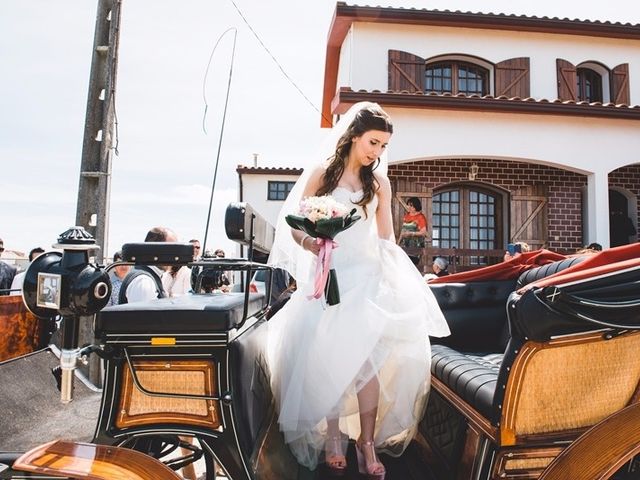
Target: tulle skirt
<point>320,356</point>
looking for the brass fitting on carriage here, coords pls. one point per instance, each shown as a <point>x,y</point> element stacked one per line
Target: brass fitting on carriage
<point>68,363</point>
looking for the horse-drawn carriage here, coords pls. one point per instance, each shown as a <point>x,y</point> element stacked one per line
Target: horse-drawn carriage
<point>539,378</point>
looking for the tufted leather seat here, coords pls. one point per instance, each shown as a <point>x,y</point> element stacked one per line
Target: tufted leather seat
<point>472,377</point>
<point>469,361</point>
<point>475,313</point>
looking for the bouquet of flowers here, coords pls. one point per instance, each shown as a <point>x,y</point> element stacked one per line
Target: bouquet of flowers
<point>323,218</point>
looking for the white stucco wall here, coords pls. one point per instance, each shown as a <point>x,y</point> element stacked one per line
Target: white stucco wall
<point>368,43</point>
<point>580,144</point>
<point>255,190</point>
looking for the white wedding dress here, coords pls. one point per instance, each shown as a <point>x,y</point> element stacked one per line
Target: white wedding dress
<point>321,355</point>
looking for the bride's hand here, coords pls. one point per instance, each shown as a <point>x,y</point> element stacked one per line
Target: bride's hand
<point>309,243</point>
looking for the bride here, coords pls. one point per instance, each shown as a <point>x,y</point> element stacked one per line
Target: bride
<point>359,369</point>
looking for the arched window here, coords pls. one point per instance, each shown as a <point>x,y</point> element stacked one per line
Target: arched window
<point>589,87</point>
<point>456,77</point>
<point>469,217</point>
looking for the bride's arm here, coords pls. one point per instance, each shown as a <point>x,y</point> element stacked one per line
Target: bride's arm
<point>310,189</point>
<point>383,213</point>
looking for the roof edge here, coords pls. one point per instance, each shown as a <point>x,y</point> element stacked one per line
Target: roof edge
<point>345,15</point>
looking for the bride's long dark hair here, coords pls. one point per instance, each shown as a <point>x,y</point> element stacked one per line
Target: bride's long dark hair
<point>369,118</point>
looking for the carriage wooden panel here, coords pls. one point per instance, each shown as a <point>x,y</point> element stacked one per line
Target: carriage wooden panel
<point>20,331</point>
<point>178,377</point>
<point>550,381</point>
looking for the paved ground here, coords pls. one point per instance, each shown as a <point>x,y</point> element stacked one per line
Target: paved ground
<point>30,408</point>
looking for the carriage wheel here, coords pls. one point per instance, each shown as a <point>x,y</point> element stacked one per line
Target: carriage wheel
<point>183,454</point>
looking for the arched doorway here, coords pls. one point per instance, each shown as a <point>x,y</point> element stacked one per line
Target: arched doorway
<point>468,216</point>
<point>621,227</point>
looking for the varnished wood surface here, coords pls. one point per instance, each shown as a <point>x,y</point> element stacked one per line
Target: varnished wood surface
<point>20,330</point>
<point>607,446</point>
<point>92,462</point>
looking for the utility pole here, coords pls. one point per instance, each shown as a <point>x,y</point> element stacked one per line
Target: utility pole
<point>94,189</point>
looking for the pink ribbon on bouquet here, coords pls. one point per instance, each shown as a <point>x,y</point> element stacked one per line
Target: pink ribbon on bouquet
<point>323,266</point>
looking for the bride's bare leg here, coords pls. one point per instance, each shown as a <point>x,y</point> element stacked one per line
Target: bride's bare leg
<point>368,405</point>
<point>368,397</point>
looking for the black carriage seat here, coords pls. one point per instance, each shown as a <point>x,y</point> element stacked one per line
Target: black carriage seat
<point>472,377</point>
<point>547,270</point>
<point>476,314</point>
<point>469,361</point>
<point>202,313</point>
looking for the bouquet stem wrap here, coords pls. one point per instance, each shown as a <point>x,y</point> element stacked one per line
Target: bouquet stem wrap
<point>323,218</point>
<point>326,278</point>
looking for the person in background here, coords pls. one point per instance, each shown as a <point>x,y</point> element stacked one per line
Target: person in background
<point>18,280</point>
<point>518,248</point>
<point>591,248</point>
<point>144,282</point>
<point>414,225</point>
<point>621,228</point>
<point>196,248</point>
<point>225,276</point>
<point>177,280</point>
<point>116,275</point>
<point>440,266</point>
<point>195,269</point>
<point>7,272</point>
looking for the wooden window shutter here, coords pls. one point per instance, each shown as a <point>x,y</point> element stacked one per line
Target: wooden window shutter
<point>513,78</point>
<point>620,84</point>
<point>406,71</point>
<point>567,80</point>
<point>529,216</point>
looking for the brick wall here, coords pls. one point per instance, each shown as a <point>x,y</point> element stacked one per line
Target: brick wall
<point>629,179</point>
<point>564,207</point>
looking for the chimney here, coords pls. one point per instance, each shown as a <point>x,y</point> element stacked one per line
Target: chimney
<point>255,159</point>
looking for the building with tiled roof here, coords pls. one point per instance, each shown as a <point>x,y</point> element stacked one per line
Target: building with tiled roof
<point>265,188</point>
<point>507,127</point>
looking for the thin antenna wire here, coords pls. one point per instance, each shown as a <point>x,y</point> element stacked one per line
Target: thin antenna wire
<point>277,63</point>
<point>224,117</point>
<point>206,73</point>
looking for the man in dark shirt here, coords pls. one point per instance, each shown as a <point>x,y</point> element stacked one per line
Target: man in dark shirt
<point>7,272</point>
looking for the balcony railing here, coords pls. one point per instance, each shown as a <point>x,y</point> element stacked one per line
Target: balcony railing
<point>460,259</point>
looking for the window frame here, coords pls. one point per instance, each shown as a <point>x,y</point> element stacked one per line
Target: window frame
<point>455,66</point>
<point>288,186</point>
<point>584,74</point>
<point>464,190</point>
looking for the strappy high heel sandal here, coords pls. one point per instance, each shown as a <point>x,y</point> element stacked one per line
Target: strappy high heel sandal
<point>374,470</point>
<point>334,458</point>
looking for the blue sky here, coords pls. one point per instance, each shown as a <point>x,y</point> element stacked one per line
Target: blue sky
<point>164,171</point>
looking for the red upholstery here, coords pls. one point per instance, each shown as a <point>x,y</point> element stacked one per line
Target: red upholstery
<point>610,260</point>
<point>508,270</point>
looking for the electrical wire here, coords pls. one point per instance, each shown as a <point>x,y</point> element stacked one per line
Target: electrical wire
<point>276,61</point>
